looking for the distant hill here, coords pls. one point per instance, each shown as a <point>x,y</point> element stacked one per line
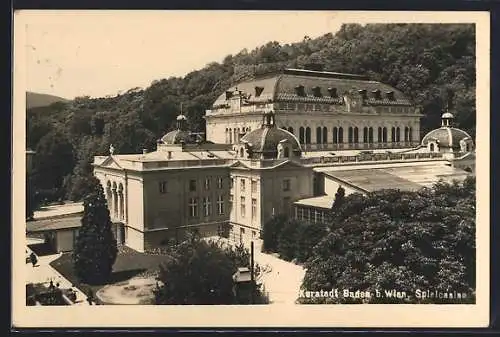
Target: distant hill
<point>35,100</point>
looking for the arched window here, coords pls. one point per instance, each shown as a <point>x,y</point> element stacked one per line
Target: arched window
<point>356,135</point>
<point>410,138</point>
<point>431,147</point>
<point>242,152</point>
<point>468,169</point>
<point>398,134</point>
<point>341,135</point>
<point>370,135</point>
<point>287,152</point>
<point>301,135</point>
<point>365,135</point>
<point>407,133</point>
<point>379,135</point>
<point>290,129</point>
<point>318,135</point>
<point>393,134</point>
<point>227,136</point>
<point>308,135</point>
<point>325,135</point>
<point>230,136</point>
<point>350,135</point>
<point>384,135</point>
<point>335,135</point>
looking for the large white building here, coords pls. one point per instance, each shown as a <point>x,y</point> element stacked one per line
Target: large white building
<point>281,144</point>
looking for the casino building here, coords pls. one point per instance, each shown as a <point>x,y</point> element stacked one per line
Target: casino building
<point>280,144</point>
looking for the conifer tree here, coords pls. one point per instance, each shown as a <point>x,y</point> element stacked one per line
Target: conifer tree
<point>95,249</point>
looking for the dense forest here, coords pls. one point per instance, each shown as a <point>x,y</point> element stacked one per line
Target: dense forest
<point>425,61</point>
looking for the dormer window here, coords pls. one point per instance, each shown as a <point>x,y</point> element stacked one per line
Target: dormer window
<point>258,91</point>
<point>376,94</point>
<point>390,95</point>
<point>333,92</point>
<point>299,90</point>
<point>317,92</point>
<point>362,93</point>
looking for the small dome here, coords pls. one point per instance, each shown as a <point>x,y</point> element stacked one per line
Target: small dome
<point>265,141</point>
<point>177,137</point>
<point>447,115</point>
<point>181,118</point>
<point>446,137</point>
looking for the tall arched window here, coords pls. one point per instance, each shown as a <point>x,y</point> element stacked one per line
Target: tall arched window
<point>335,135</point>
<point>365,135</point>
<point>410,138</point>
<point>325,135</point>
<point>301,135</point>
<point>242,152</point>
<point>379,134</point>
<point>318,135</point>
<point>398,134</point>
<point>308,135</point>
<point>407,132</point>
<point>341,135</point>
<point>432,147</point>
<point>393,134</point>
<point>286,152</point>
<point>227,136</point>
<point>370,135</point>
<point>350,135</point>
<point>230,136</point>
<point>356,135</point>
<point>384,134</point>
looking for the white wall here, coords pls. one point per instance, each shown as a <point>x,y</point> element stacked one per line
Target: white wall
<point>134,239</point>
<point>65,240</point>
<point>332,185</point>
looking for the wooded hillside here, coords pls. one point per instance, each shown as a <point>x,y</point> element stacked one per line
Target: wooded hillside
<point>424,61</point>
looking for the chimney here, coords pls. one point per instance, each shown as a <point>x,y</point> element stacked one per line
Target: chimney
<point>390,95</point>
<point>333,92</point>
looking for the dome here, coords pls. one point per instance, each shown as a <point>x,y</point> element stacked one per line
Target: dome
<point>177,137</point>
<point>181,118</point>
<point>447,115</point>
<point>446,137</point>
<point>266,140</point>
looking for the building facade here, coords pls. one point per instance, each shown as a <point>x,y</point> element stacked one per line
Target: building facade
<point>282,144</point>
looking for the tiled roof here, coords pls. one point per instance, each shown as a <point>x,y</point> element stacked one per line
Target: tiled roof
<point>282,87</point>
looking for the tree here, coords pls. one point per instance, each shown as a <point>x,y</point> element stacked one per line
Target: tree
<point>95,249</point>
<point>339,198</point>
<point>31,198</point>
<point>270,233</point>
<point>200,272</point>
<point>398,240</point>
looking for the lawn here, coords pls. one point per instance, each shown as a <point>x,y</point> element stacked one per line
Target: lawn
<point>129,263</point>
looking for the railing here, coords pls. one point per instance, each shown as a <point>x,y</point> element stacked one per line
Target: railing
<point>183,163</point>
<point>358,146</point>
<point>371,157</point>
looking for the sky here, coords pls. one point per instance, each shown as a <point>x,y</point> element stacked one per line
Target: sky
<point>99,53</point>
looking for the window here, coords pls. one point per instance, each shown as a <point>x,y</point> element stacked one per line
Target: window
<point>207,206</point>
<point>192,185</point>
<point>286,185</point>
<point>316,216</point>
<point>219,182</point>
<point>232,182</point>
<point>207,183</point>
<point>220,204</point>
<point>254,186</point>
<point>242,185</point>
<point>193,207</point>
<point>243,208</point>
<point>230,203</point>
<point>254,208</point>
<point>162,185</point>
